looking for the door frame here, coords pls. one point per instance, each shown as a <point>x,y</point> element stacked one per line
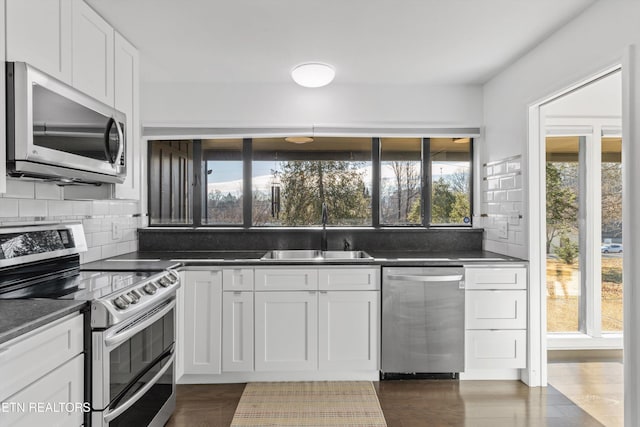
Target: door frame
<point>536,373</point>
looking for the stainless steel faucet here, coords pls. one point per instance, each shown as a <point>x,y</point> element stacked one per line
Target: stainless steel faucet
<point>325,219</point>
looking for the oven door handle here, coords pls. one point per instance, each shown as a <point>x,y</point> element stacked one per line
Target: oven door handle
<point>138,394</point>
<point>115,339</point>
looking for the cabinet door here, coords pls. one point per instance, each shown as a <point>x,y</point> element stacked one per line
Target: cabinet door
<point>496,349</point>
<point>349,279</point>
<point>202,321</point>
<point>284,279</point>
<point>92,53</point>
<point>64,384</point>
<point>237,331</point>
<point>495,278</point>
<point>496,309</point>
<point>127,100</point>
<point>39,32</point>
<point>348,330</point>
<point>286,336</point>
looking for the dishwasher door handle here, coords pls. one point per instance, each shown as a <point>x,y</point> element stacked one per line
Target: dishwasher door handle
<point>412,278</point>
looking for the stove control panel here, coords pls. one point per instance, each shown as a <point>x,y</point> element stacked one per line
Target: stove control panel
<point>137,297</point>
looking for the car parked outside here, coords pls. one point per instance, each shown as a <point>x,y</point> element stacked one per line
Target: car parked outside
<point>612,248</point>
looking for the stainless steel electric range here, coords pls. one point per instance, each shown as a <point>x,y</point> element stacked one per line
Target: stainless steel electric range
<point>132,320</point>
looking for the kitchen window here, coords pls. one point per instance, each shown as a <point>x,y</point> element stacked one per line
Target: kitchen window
<point>281,182</point>
<point>291,180</point>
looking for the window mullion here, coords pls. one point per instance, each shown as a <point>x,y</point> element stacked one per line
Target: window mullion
<point>247,194</point>
<point>592,267</point>
<point>198,193</point>
<point>426,182</point>
<point>375,182</point>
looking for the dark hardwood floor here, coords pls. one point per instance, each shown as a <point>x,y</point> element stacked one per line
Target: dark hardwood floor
<point>414,403</point>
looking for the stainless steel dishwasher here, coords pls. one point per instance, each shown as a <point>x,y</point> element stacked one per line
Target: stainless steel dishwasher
<point>422,322</point>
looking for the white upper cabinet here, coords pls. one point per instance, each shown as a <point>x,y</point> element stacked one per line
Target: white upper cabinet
<point>39,32</point>
<point>127,100</point>
<point>92,46</point>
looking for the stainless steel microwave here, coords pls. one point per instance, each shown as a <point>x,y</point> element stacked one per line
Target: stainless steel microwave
<point>57,133</point>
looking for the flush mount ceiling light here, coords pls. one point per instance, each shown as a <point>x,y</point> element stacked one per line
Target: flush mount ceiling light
<point>299,139</point>
<point>313,74</point>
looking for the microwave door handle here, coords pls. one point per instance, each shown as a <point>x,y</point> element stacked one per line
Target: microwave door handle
<point>116,412</point>
<point>107,138</point>
<point>120,142</point>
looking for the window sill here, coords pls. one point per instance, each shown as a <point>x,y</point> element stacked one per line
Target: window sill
<point>580,341</point>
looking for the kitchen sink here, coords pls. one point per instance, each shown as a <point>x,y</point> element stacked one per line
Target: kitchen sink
<point>289,255</point>
<point>352,255</point>
<point>313,255</point>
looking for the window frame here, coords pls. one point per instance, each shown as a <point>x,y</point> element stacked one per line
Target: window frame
<point>199,178</point>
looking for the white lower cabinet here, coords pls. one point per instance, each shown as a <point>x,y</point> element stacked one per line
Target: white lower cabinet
<point>495,318</point>
<point>286,325</point>
<point>39,371</point>
<point>62,386</point>
<point>202,321</point>
<point>282,325</point>
<point>348,330</point>
<point>237,331</point>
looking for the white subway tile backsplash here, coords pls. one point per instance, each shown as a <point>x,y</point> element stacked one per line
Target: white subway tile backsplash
<point>101,238</point>
<point>507,183</point>
<point>500,196</point>
<point>514,195</point>
<point>82,207</point>
<point>109,251</point>
<point>122,248</point>
<point>32,208</point>
<point>499,168</point>
<point>92,225</point>
<point>100,207</point>
<point>58,208</point>
<point>20,189</point>
<point>502,199</point>
<point>8,208</point>
<point>93,254</point>
<point>47,191</point>
<point>513,166</point>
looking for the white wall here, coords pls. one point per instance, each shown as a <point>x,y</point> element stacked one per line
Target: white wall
<point>600,99</point>
<point>287,104</point>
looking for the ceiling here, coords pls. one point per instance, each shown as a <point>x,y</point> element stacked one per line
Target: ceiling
<point>429,42</point>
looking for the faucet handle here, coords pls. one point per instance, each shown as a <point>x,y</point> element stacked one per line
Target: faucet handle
<point>347,245</point>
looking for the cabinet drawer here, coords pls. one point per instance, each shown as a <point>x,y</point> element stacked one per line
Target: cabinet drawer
<point>286,279</point>
<point>349,279</point>
<point>496,349</point>
<point>496,309</point>
<point>64,384</point>
<point>496,278</point>
<point>24,360</point>
<point>237,279</point>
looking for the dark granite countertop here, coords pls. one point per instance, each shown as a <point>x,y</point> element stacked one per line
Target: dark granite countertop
<point>130,264</point>
<point>20,316</point>
<point>395,258</point>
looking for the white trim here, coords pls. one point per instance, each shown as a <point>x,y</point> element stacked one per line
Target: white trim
<point>490,374</point>
<point>185,131</point>
<point>536,372</point>
<point>578,341</point>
